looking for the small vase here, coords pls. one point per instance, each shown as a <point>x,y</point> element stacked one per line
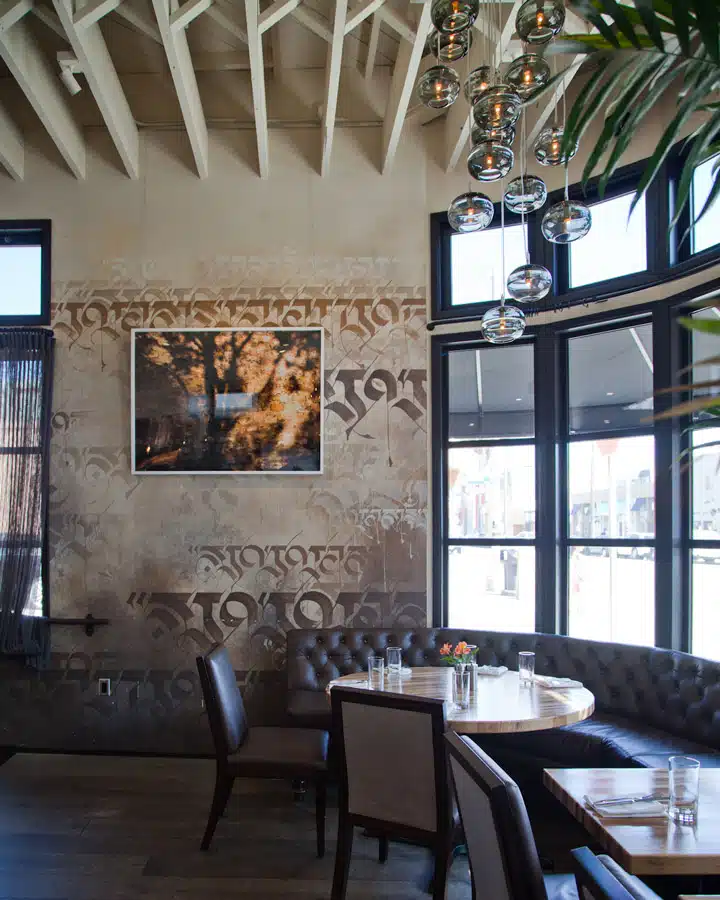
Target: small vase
<point>461,685</point>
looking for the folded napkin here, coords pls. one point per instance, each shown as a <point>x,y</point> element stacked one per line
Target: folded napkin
<point>492,670</point>
<point>629,809</point>
<point>547,681</point>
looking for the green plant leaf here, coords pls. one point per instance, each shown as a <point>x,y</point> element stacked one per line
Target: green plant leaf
<point>710,361</point>
<point>707,326</point>
<point>681,18</point>
<point>622,21</point>
<point>706,17</point>
<point>685,388</point>
<point>686,109</point>
<point>701,149</point>
<point>683,409</point>
<point>712,196</point>
<point>653,25</point>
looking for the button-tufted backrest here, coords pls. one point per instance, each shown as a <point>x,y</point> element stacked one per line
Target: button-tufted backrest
<point>673,691</point>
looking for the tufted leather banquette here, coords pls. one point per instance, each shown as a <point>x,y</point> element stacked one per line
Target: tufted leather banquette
<point>650,703</point>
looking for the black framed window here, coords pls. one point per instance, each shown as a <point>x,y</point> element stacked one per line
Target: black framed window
<point>609,462</point>
<point>476,262</point>
<point>706,233</point>
<point>488,464</point>
<point>617,256</point>
<point>25,272</point>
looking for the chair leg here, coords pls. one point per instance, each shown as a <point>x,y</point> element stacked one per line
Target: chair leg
<point>343,854</point>
<point>382,849</point>
<point>223,786</point>
<point>443,857</point>
<point>320,803</point>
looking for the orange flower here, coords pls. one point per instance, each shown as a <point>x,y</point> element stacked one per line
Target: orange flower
<point>462,649</point>
<point>445,650</point>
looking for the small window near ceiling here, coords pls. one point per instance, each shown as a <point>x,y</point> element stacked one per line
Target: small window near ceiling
<point>24,273</point>
<point>706,232</point>
<point>610,378</point>
<point>616,245</point>
<point>476,263</point>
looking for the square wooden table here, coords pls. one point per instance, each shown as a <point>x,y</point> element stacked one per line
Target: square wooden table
<point>644,846</point>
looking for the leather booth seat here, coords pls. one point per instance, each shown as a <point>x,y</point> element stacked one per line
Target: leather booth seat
<point>650,703</point>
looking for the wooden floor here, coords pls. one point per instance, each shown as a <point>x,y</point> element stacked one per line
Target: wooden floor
<point>111,828</point>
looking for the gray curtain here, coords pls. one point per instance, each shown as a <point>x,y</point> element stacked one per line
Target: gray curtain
<point>26,369</point>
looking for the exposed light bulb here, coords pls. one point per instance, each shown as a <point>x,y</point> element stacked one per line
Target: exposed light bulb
<point>540,18</point>
<point>527,76</point>
<point>489,161</point>
<point>471,211</point>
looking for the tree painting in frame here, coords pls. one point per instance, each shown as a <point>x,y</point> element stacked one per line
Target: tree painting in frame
<point>227,400</point>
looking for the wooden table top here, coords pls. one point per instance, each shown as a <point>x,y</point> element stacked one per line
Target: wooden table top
<point>645,846</point>
<point>501,704</point>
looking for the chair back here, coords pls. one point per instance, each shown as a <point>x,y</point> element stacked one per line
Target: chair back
<point>501,847</point>
<point>601,878</point>
<point>223,700</point>
<point>392,759</point>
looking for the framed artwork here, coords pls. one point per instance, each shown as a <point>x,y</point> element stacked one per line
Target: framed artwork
<point>235,401</point>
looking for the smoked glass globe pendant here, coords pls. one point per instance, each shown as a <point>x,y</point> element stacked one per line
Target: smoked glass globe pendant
<point>525,194</point>
<point>477,82</point>
<point>566,221</point>
<point>453,46</point>
<point>454,15</point>
<point>499,106</point>
<point>527,74</point>
<point>528,283</point>
<point>470,212</point>
<point>538,21</point>
<point>548,148</point>
<point>439,87</point>
<point>480,133</point>
<point>490,161</point>
<point>502,324</point>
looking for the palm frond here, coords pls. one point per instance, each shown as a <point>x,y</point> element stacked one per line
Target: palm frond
<point>638,54</point>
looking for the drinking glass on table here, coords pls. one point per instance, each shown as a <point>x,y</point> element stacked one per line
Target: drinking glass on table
<point>526,666</point>
<point>684,777</point>
<point>394,661</point>
<point>376,672</point>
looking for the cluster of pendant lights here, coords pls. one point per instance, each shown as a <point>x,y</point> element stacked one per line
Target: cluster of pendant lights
<point>496,106</point>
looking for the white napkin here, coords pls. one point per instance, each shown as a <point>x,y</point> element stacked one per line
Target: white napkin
<point>632,809</point>
<point>492,670</point>
<point>548,681</point>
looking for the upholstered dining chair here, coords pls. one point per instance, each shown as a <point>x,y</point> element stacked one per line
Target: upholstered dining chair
<point>393,778</point>
<point>601,878</point>
<point>258,752</point>
<point>504,862</point>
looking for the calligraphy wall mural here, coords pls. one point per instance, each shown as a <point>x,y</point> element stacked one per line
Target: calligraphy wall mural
<point>182,562</point>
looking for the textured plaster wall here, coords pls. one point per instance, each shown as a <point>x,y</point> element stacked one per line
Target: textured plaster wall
<point>178,562</point>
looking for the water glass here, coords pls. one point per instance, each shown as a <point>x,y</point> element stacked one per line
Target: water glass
<point>461,685</point>
<point>684,789</point>
<point>526,666</point>
<point>394,661</point>
<point>376,672</point>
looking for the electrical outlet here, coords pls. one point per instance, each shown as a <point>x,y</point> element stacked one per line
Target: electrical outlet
<point>104,687</point>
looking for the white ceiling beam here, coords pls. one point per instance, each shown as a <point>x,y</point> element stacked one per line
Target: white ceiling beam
<point>47,17</point>
<point>40,85</point>
<point>94,11</point>
<point>139,21</point>
<point>183,76</point>
<point>372,47</point>
<point>95,63</point>
<point>546,111</point>
<point>257,80</point>
<point>11,11</point>
<point>457,121</point>
<point>12,147</point>
<point>313,22</point>
<point>402,86</point>
<point>224,21</point>
<point>397,23</point>
<point>332,83</point>
<point>188,12</point>
<point>358,15</point>
<point>276,11</point>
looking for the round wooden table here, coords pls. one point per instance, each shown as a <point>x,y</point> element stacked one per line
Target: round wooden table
<point>501,705</point>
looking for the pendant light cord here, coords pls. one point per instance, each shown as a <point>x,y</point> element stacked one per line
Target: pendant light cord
<point>523,186</point>
<point>502,238</point>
